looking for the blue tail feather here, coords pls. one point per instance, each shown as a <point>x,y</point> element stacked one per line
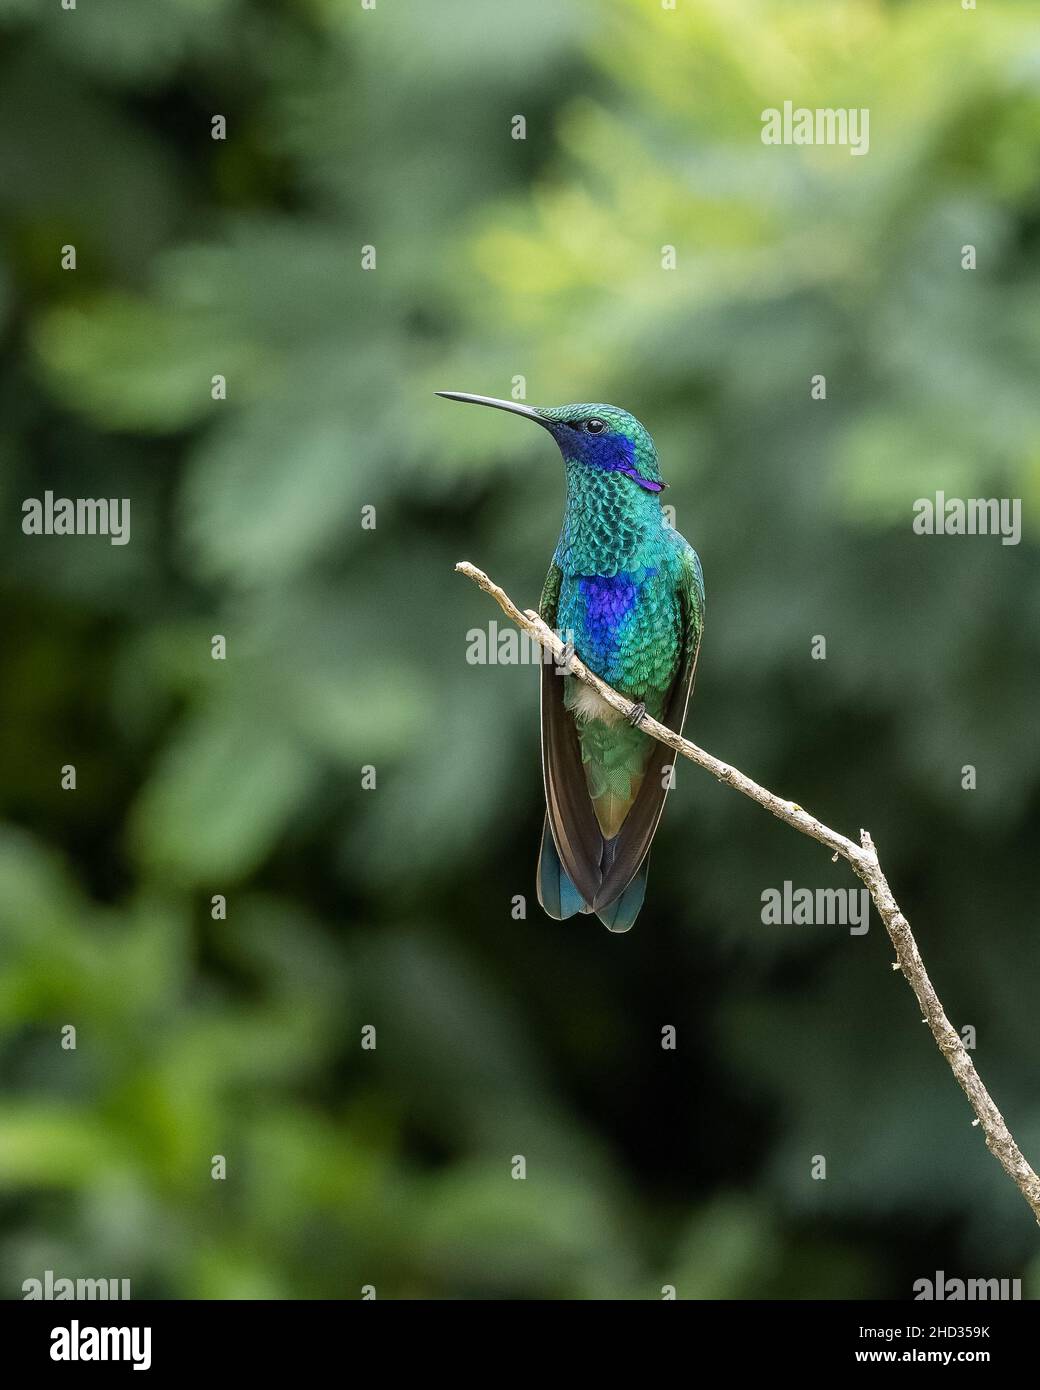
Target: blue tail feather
<point>619,915</point>
<point>556,893</point>
<point>561,899</point>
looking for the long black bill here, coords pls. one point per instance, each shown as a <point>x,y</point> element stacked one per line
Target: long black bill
<point>514,407</point>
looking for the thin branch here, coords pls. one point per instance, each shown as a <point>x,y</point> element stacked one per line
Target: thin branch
<point>865,864</point>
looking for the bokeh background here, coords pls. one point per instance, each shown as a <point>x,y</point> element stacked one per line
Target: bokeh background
<point>392,907</point>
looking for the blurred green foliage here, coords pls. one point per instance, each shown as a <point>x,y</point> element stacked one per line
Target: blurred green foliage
<point>346,647</point>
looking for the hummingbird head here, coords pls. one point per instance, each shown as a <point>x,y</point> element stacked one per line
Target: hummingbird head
<point>598,436</point>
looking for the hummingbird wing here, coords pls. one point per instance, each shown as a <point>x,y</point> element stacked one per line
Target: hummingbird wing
<point>569,811</point>
<point>623,857</point>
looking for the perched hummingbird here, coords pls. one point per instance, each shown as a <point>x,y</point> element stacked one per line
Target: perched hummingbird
<point>628,590</point>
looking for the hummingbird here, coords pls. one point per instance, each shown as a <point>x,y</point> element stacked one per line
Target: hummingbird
<point>628,591</point>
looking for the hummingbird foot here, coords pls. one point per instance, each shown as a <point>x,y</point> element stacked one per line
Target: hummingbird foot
<point>636,715</point>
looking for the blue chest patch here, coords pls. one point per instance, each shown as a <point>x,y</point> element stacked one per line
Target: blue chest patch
<point>607,602</point>
<point>600,611</point>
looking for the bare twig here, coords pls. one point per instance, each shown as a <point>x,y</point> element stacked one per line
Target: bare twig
<point>865,864</point>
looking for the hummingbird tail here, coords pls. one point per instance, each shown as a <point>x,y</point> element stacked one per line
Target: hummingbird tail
<point>560,899</point>
<point>619,915</point>
<point>556,893</point>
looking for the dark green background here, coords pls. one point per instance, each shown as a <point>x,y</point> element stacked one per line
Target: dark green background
<point>346,647</point>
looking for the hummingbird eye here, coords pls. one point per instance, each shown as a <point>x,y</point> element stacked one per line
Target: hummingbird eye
<point>595,426</point>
